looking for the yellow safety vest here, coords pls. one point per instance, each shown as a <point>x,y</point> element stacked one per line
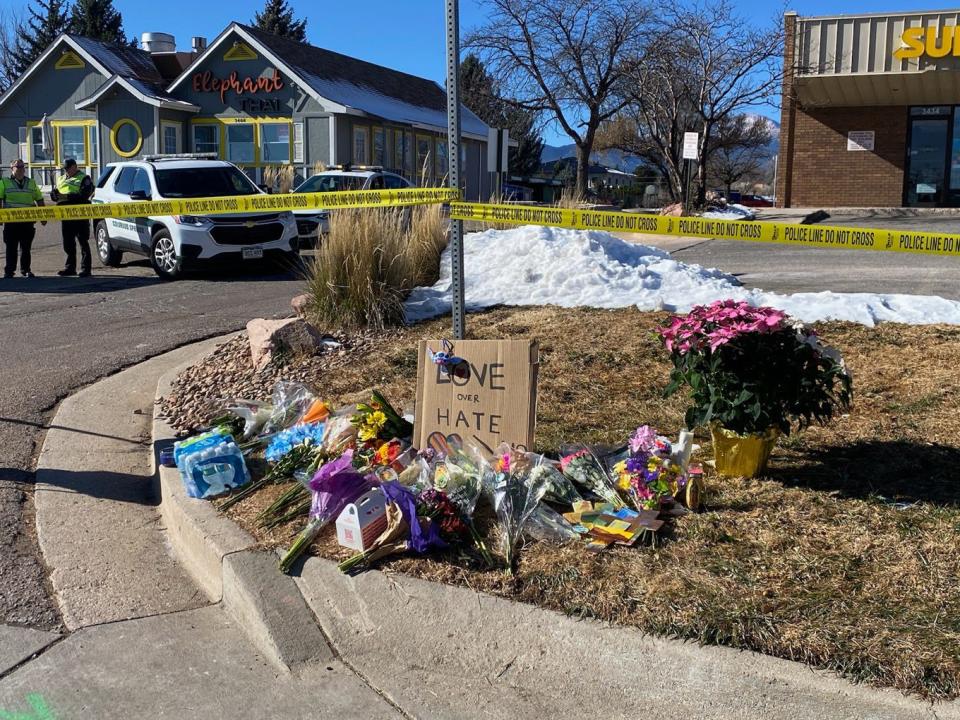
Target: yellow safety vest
<point>70,185</point>
<point>15,196</point>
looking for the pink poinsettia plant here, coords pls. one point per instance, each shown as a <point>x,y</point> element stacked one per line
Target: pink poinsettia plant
<point>752,368</point>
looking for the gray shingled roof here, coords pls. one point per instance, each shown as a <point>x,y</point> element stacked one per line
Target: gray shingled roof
<point>126,62</point>
<point>377,90</point>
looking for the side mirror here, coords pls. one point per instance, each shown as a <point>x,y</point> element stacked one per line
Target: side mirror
<point>139,195</point>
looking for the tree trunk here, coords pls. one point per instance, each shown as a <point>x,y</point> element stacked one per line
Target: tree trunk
<point>702,167</point>
<point>583,169</point>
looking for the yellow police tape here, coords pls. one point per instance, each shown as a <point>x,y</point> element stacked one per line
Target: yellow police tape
<point>234,204</point>
<point>821,236</point>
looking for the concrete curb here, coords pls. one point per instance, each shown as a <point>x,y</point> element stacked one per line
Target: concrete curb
<point>442,651</point>
<point>224,561</point>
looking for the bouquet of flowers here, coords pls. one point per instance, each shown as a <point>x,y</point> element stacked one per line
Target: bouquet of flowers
<point>517,488</point>
<point>583,467</point>
<point>336,484</point>
<point>406,530</point>
<point>309,434</point>
<point>559,488</point>
<point>377,419</point>
<point>650,475</point>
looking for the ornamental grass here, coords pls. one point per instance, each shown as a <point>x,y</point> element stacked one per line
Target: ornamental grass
<point>368,263</point>
<point>843,556</point>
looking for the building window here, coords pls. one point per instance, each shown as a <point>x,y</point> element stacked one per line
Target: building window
<point>275,142</point>
<point>443,167</point>
<point>398,150</point>
<point>93,134</point>
<point>37,154</point>
<point>379,147</point>
<point>73,143</point>
<point>206,139</point>
<point>361,140</point>
<point>298,156</point>
<point>240,144</point>
<point>170,139</point>
<point>22,143</point>
<point>409,171</point>
<point>424,157</point>
<point>126,138</point>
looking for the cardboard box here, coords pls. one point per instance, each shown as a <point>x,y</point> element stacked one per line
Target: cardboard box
<point>363,521</point>
<point>491,400</point>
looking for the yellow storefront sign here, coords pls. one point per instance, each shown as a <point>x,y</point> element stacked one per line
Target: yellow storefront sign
<point>933,42</point>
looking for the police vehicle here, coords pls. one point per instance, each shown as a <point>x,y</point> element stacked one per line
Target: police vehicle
<point>175,243</point>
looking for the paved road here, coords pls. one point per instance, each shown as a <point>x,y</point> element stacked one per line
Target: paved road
<point>61,334</point>
<point>788,269</point>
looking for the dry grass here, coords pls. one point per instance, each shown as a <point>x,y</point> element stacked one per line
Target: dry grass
<point>844,557</point>
<point>369,262</point>
<point>279,178</point>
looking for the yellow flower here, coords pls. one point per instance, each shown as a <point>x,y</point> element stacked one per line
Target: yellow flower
<point>367,433</point>
<point>377,419</point>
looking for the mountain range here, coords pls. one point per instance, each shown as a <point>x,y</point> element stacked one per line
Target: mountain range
<point>628,163</point>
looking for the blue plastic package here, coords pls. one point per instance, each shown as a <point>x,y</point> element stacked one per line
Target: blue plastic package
<point>210,464</point>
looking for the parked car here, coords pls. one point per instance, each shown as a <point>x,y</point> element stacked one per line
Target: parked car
<point>755,201</point>
<point>311,224</point>
<point>175,243</point>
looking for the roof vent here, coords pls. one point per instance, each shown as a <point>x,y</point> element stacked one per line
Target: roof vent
<point>198,43</point>
<point>158,42</point>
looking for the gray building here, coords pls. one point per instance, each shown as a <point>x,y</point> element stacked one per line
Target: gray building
<point>270,105</point>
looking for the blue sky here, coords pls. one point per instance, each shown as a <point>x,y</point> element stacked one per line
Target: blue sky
<point>404,34</point>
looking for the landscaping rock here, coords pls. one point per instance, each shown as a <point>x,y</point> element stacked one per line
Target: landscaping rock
<point>675,210</point>
<point>291,336</point>
<point>300,304</point>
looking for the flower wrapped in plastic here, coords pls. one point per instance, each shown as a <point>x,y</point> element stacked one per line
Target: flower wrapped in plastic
<point>650,474</point>
<point>517,489</point>
<point>377,419</point>
<point>336,484</point>
<point>584,468</point>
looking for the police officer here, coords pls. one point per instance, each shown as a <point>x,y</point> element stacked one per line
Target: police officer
<point>18,191</point>
<point>74,188</point>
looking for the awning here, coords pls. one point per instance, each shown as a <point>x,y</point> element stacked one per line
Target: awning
<point>925,87</point>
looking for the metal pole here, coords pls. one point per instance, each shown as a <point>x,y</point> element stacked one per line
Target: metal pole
<point>453,153</point>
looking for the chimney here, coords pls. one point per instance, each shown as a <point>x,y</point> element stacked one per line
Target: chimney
<point>158,42</point>
<point>198,43</point>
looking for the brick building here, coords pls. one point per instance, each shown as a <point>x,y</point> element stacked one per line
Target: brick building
<point>871,111</point>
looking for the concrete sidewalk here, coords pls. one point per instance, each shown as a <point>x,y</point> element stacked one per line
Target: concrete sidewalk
<point>147,641</point>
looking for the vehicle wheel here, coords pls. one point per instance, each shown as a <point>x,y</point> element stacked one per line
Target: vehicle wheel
<point>163,256</point>
<point>108,254</point>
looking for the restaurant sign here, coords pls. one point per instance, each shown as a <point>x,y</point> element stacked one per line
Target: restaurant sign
<point>933,42</point>
<point>246,88</point>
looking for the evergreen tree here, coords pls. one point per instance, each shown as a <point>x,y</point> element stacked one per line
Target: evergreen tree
<point>99,20</point>
<point>479,93</point>
<point>277,18</point>
<point>47,20</point>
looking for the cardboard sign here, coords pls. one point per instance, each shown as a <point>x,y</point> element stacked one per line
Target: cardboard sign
<point>490,398</point>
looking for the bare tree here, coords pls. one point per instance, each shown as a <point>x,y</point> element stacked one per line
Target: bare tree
<point>741,149</point>
<point>729,65</point>
<point>565,58</point>
<point>702,66</point>
<point>11,28</point>
<point>658,112</point>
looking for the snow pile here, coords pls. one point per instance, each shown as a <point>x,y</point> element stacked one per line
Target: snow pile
<point>553,266</point>
<point>731,211</point>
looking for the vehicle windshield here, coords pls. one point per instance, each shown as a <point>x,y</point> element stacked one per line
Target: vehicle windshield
<point>203,182</point>
<point>332,183</point>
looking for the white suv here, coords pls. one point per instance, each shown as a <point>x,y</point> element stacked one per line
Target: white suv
<point>174,243</point>
<point>313,223</point>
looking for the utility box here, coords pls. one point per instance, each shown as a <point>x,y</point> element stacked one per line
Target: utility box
<point>363,521</point>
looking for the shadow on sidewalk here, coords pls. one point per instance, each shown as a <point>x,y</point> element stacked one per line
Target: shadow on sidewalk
<point>119,487</point>
<point>44,426</point>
